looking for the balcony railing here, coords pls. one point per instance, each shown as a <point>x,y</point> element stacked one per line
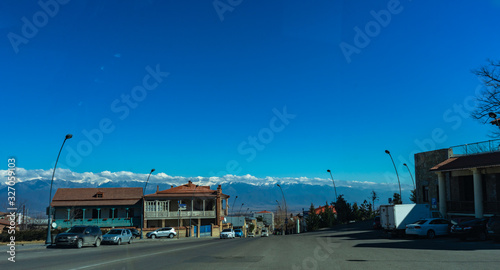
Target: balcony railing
<point>475,148</point>
<point>101,222</point>
<point>175,214</point>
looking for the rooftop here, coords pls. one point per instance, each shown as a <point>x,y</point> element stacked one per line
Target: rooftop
<point>188,190</point>
<point>475,148</point>
<point>484,160</point>
<point>96,196</point>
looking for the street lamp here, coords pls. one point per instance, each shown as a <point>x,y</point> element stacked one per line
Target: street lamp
<point>190,216</point>
<point>414,187</point>
<point>143,201</point>
<point>286,209</point>
<point>495,119</point>
<point>333,184</point>
<point>400,197</point>
<point>232,211</point>
<point>49,220</point>
<point>240,208</point>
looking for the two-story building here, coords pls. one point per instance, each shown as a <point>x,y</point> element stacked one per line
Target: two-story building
<point>104,207</point>
<point>185,205</point>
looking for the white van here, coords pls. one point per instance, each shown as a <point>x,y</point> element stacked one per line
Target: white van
<point>264,233</point>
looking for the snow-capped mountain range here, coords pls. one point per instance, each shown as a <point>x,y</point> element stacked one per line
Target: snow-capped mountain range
<point>32,188</point>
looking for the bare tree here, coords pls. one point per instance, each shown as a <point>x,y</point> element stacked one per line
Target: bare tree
<point>489,99</point>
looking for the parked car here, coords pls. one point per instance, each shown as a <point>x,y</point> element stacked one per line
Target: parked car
<point>227,233</point>
<point>430,227</point>
<point>163,232</point>
<point>79,236</point>
<point>264,233</point>
<point>238,233</point>
<point>493,227</point>
<point>118,236</point>
<point>376,223</point>
<point>251,234</point>
<point>471,228</point>
<point>135,233</point>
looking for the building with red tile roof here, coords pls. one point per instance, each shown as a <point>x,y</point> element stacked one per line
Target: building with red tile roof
<point>187,205</point>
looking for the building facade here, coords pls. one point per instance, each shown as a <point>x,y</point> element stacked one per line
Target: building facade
<point>460,181</point>
<point>103,207</point>
<point>185,205</point>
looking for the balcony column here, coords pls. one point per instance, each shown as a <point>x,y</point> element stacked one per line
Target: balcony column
<point>83,215</point>
<point>442,193</point>
<point>203,207</point>
<point>69,210</point>
<point>478,193</point>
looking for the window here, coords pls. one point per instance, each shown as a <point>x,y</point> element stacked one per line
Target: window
<point>425,193</point>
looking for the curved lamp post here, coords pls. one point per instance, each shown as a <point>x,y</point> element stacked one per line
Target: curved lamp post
<point>240,208</point>
<point>190,216</point>
<point>414,187</point>
<point>232,211</point>
<point>495,119</point>
<point>400,197</point>
<point>286,209</point>
<point>333,184</point>
<point>49,220</point>
<point>143,193</point>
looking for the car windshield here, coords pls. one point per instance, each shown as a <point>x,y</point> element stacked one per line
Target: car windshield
<point>77,230</point>
<point>115,232</point>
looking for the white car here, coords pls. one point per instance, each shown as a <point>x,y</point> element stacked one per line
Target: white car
<point>264,233</point>
<point>429,227</point>
<point>227,233</point>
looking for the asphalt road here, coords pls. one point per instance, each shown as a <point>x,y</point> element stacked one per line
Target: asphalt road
<point>352,246</point>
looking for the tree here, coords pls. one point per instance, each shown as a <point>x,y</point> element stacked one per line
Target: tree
<point>396,199</point>
<point>344,210</point>
<point>251,227</point>
<point>374,197</point>
<point>488,100</point>
<point>413,196</point>
<point>312,220</point>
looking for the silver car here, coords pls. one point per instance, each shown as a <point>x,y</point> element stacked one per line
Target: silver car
<point>163,232</point>
<point>118,236</point>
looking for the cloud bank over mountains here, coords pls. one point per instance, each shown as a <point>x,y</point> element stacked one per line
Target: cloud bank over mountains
<point>108,178</point>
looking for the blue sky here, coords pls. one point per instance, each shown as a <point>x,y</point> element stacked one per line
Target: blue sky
<point>232,75</point>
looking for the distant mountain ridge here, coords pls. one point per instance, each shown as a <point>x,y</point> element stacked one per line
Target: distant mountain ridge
<point>35,194</point>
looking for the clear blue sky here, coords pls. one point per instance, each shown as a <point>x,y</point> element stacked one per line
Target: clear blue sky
<point>229,71</point>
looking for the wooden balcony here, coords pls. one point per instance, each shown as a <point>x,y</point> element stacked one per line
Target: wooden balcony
<point>175,214</point>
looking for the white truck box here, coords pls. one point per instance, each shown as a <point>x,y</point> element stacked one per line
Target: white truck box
<point>397,216</point>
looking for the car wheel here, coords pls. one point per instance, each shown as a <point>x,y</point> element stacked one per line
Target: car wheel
<point>97,242</point>
<point>79,243</point>
<point>431,234</point>
<point>119,242</point>
<point>130,240</point>
<point>482,236</point>
<point>171,235</point>
<point>153,236</point>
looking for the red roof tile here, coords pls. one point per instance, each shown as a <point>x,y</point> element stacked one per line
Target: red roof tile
<point>91,197</point>
<point>187,190</point>
<point>321,209</point>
